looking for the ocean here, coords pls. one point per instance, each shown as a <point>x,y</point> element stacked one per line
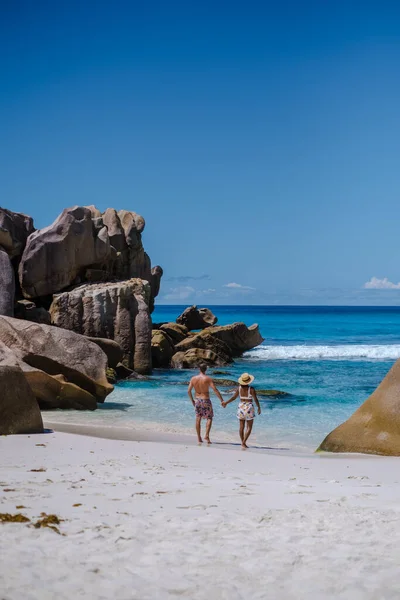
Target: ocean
<point>329,359</point>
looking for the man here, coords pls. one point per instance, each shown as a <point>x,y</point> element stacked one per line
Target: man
<point>202,404</point>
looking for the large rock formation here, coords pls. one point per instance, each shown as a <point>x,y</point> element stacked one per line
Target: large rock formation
<point>14,231</point>
<point>206,341</point>
<point>176,332</point>
<point>19,410</point>
<point>118,311</point>
<point>196,318</point>
<point>55,352</point>
<point>213,345</point>
<point>374,428</point>
<point>237,336</point>
<point>55,256</point>
<point>96,266</point>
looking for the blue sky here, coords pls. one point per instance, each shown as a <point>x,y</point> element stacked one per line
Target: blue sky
<point>260,140</point>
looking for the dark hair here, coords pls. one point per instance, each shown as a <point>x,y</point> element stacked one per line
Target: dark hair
<point>203,367</point>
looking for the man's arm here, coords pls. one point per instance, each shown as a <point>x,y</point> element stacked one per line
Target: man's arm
<point>190,391</point>
<point>253,393</point>
<point>235,395</point>
<point>214,387</point>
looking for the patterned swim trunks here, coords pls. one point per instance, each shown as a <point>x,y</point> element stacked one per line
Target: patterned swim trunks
<point>203,408</point>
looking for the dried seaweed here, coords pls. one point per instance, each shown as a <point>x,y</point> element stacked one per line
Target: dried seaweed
<point>49,521</point>
<point>41,470</point>
<point>17,518</point>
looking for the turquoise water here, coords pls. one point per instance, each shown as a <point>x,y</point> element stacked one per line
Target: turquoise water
<point>328,358</point>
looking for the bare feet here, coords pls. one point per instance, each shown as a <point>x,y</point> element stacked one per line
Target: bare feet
<point>200,440</point>
<point>208,440</point>
<point>244,446</point>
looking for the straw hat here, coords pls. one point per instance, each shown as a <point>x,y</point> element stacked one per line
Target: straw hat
<point>245,379</point>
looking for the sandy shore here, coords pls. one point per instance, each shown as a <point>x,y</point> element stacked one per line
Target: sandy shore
<point>155,520</point>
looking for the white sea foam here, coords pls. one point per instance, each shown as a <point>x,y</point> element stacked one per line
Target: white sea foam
<point>341,352</point>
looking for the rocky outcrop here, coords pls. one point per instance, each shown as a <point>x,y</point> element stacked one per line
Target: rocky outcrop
<point>55,391</point>
<point>225,343</point>
<point>176,332</point>
<point>111,349</point>
<point>206,341</point>
<point>117,311</point>
<point>92,258</point>
<point>56,352</point>
<point>237,336</point>
<point>7,284</point>
<point>196,318</point>
<point>194,357</point>
<point>14,231</point>
<point>56,255</point>
<point>19,410</point>
<point>162,348</point>
<point>374,428</point>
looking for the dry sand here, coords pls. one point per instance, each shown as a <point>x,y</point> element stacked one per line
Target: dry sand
<point>155,520</point>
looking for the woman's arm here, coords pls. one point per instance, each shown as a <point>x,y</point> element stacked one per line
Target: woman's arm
<point>235,395</point>
<point>253,393</point>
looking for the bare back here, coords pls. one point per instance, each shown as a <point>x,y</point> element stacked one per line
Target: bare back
<point>202,384</point>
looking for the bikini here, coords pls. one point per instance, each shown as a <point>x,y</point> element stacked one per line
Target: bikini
<point>245,411</point>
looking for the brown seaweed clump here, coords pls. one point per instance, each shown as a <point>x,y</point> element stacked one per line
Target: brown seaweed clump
<point>17,518</point>
<point>49,521</point>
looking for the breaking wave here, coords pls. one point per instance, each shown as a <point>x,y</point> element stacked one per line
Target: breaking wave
<point>342,352</point>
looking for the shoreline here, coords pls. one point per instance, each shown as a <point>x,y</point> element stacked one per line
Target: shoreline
<point>133,434</point>
<point>129,434</point>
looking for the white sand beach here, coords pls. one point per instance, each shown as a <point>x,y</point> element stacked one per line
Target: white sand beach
<point>146,519</point>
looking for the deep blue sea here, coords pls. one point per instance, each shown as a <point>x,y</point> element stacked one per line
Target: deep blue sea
<point>328,358</point>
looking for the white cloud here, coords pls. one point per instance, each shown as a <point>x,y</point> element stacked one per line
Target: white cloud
<point>179,293</point>
<point>209,291</point>
<point>238,286</point>
<point>381,284</point>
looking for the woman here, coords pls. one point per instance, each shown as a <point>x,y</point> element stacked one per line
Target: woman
<point>245,412</point>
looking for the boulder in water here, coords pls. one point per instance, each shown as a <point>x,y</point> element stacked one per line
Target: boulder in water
<point>374,428</point>
<point>194,358</point>
<point>162,348</point>
<point>196,318</point>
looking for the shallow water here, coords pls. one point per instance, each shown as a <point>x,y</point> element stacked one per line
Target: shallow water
<point>328,358</point>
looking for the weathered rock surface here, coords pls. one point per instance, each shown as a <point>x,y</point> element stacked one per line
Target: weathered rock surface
<point>196,318</point>
<point>117,311</point>
<point>194,357</point>
<point>155,283</point>
<point>162,348</point>
<point>56,352</point>
<point>19,410</point>
<point>374,428</point>
<point>111,349</point>
<point>14,231</point>
<point>26,309</point>
<point>176,332</point>
<point>56,255</point>
<point>7,284</point>
<point>207,342</point>
<point>237,336</point>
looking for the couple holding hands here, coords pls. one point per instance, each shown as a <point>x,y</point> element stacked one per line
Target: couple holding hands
<point>202,383</point>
